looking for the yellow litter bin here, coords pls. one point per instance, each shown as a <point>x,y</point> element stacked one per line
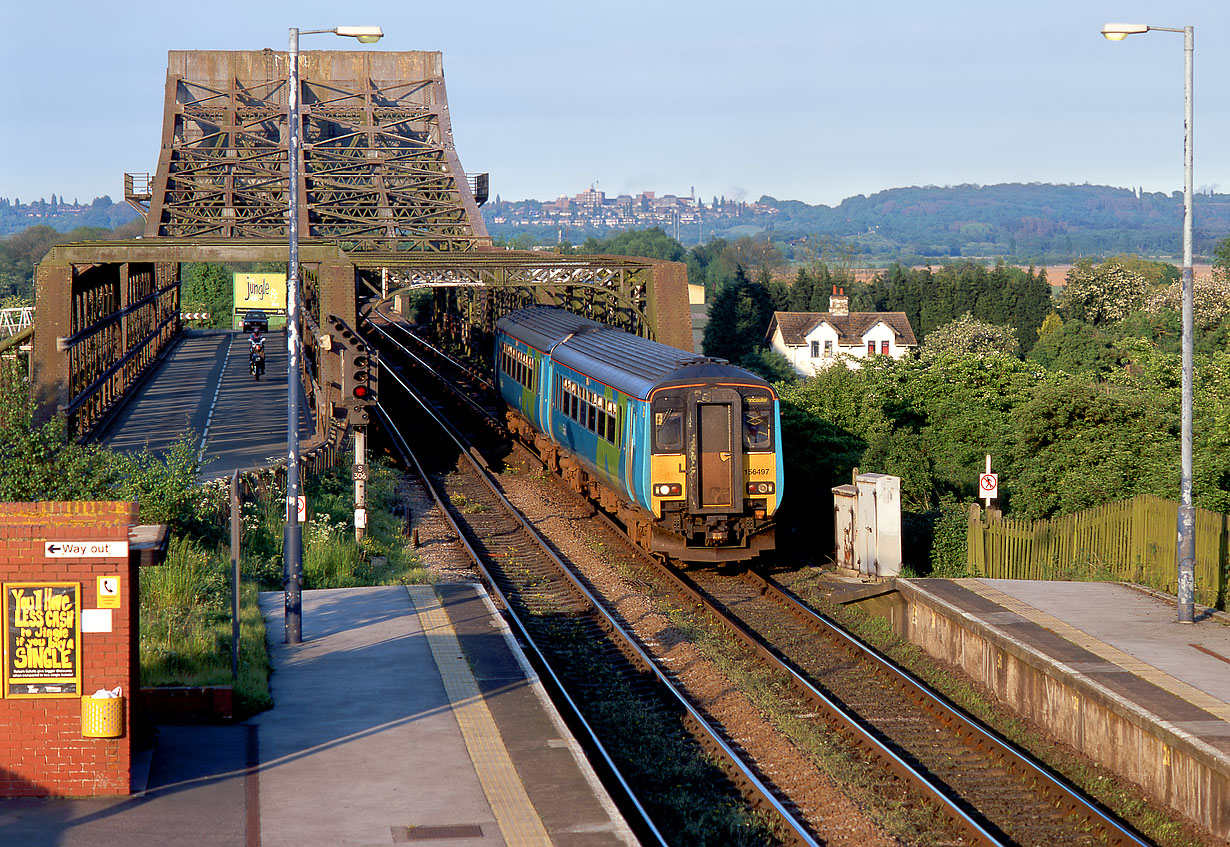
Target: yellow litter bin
<point>102,717</point>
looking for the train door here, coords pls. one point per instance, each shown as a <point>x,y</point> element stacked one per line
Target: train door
<point>716,460</point>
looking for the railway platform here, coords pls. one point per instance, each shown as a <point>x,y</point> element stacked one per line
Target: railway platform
<point>406,715</point>
<point>1105,667</point>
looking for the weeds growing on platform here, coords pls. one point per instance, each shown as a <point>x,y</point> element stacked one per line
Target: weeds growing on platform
<point>185,602</point>
<point>186,626</point>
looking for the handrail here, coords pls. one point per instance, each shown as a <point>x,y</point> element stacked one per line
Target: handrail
<point>66,342</point>
<point>85,393</point>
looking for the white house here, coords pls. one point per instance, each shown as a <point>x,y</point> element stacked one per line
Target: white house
<point>812,341</point>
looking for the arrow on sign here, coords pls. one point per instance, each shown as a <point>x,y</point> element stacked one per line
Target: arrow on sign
<point>53,548</point>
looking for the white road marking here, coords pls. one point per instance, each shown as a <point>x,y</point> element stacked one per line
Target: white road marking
<point>214,402</point>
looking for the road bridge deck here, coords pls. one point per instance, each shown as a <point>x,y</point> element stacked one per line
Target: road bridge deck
<point>203,389</point>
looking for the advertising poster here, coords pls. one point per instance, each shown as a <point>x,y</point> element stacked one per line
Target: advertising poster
<point>42,639</point>
<point>266,292</point>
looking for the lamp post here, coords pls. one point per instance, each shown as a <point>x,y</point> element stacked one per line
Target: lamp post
<point>1187,513</point>
<point>292,535</point>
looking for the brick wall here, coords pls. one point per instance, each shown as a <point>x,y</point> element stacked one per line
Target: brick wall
<point>42,751</point>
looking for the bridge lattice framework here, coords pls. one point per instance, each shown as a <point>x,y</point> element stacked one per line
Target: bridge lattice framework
<point>385,205</point>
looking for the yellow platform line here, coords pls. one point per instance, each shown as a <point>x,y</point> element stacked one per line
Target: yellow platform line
<point>1063,629</point>
<point>519,822</point>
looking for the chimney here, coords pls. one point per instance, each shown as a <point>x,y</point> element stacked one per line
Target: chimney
<point>839,303</point>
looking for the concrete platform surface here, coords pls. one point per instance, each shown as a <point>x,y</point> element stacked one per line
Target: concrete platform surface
<point>1104,667</point>
<point>406,715</point>
<point>1139,624</point>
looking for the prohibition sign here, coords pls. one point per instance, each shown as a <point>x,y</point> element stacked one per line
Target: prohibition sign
<point>988,486</point>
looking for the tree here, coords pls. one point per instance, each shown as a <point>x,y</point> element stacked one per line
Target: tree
<point>970,337</point>
<point>1081,445</point>
<point>650,243</point>
<point>1100,294</point>
<point>1210,300</point>
<point>1076,347</point>
<point>1221,259</point>
<point>801,290</point>
<point>769,364</point>
<point>738,319</point>
<point>205,287</point>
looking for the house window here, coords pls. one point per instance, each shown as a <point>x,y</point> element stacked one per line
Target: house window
<point>828,348</point>
<point>884,347</point>
<point>815,349</point>
<point>871,348</point>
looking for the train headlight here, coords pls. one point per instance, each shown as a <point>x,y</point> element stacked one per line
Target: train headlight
<point>667,489</point>
<point>754,488</point>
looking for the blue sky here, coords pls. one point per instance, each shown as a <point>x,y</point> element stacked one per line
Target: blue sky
<point>809,100</point>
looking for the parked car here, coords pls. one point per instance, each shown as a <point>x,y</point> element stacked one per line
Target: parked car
<point>255,318</point>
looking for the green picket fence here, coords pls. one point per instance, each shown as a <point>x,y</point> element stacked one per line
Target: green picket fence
<point>1131,540</point>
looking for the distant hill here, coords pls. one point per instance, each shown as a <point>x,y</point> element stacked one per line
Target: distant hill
<point>1033,221</point>
<point>1038,223</point>
<point>62,215</point>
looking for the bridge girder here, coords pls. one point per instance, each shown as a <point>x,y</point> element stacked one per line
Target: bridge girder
<point>378,168</point>
<point>107,310</point>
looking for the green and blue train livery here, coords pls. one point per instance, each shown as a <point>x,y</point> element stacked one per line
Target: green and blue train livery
<point>684,450</point>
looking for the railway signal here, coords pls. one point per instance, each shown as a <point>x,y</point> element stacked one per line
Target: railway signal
<point>360,372</point>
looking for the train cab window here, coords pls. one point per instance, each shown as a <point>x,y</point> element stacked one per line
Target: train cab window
<point>668,424</point>
<point>757,423</point>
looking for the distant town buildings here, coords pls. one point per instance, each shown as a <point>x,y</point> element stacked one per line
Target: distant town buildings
<point>813,341</point>
<point>594,209</point>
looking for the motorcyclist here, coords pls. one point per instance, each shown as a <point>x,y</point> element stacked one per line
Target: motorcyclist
<point>256,342</point>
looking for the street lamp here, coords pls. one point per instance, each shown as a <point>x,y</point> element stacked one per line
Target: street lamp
<point>1187,513</point>
<point>292,535</point>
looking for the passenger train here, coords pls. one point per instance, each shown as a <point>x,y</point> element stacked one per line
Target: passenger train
<point>684,450</point>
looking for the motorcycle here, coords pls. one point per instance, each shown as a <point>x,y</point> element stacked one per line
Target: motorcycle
<point>256,360</point>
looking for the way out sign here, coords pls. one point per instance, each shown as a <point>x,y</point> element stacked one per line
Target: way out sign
<point>85,550</point>
<point>988,486</point>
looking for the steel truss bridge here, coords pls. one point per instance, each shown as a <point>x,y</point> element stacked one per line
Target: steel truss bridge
<point>386,207</point>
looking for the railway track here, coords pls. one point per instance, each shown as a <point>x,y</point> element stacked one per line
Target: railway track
<point>994,792</point>
<point>544,598</point>
<point>987,792</point>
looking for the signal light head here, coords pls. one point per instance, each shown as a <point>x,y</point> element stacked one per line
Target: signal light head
<point>360,392</point>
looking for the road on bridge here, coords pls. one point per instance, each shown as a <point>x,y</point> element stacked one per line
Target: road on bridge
<point>204,388</point>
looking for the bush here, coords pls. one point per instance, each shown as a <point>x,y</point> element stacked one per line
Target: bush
<point>950,538</point>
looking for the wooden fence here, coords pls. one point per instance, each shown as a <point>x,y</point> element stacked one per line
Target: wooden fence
<point>1131,540</point>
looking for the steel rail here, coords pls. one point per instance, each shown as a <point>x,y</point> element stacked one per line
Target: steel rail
<point>934,704</point>
<point>466,398</point>
<point>1069,796</point>
<point>575,717</point>
<point>468,371</point>
<point>761,794</point>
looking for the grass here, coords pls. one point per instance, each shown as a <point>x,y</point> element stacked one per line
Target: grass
<point>186,626</point>
<point>185,602</point>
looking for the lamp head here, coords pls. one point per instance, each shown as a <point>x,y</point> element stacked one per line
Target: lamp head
<point>365,34</point>
<point>1118,32</point>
